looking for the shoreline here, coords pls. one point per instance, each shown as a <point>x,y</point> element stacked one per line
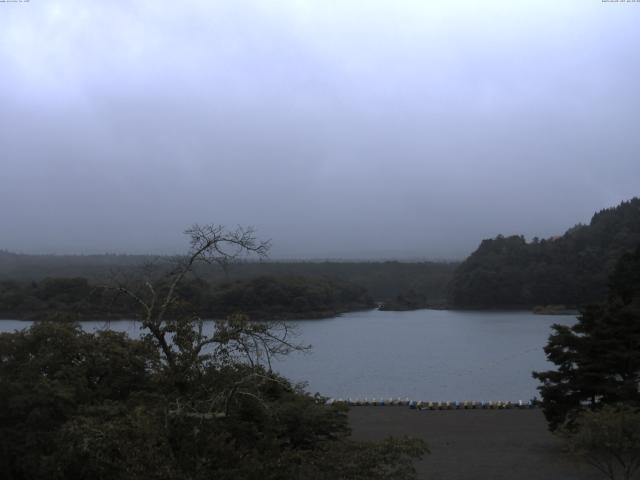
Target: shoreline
<point>253,316</point>
<point>288,316</point>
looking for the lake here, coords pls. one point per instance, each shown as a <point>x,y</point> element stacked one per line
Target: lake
<point>433,355</point>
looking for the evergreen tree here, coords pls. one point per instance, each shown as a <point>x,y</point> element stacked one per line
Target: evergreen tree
<point>597,359</point>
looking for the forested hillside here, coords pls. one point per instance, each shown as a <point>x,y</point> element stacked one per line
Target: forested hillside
<point>570,270</point>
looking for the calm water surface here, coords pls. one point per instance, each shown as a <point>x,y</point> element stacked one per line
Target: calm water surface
<point>423,355</point>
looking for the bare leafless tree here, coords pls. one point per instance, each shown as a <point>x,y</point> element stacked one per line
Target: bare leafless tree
<point>186,350</point>
<point>180,336</point>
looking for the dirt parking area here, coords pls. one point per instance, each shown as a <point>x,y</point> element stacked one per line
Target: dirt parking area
<point>475,444</point>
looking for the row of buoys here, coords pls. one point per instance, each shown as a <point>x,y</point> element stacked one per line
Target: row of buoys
<point>372,402</point>
<point>422,405</point>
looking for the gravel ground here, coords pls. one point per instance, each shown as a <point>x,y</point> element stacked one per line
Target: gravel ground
<point>475,444</point>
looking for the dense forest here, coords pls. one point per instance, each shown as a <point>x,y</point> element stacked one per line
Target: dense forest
<point>383,281</point>
<point>504,272</point>
<point>569,270</point>
<point>262,297</point>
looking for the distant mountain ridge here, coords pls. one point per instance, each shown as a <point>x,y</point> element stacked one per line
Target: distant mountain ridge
<point>568,270</point>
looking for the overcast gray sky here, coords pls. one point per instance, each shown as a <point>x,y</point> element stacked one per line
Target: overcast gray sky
<point>353,129</point>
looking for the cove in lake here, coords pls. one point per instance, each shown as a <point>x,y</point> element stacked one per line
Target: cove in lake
<point>433,355</point>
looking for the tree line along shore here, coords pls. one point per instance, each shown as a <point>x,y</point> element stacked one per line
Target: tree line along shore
<point>553,275</point>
